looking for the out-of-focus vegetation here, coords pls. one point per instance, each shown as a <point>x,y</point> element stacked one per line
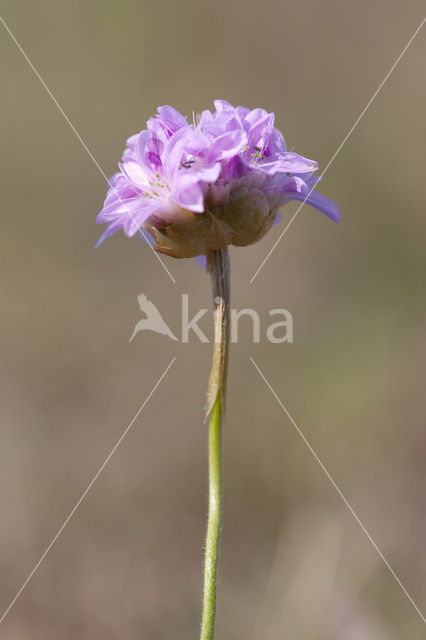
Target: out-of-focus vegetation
<point>295,564</point>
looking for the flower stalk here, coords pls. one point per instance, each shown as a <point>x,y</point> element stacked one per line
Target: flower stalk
<point>218,267</point>
<point>214,521</point>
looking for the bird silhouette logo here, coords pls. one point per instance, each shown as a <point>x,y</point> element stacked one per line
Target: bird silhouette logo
<point>153,320</point>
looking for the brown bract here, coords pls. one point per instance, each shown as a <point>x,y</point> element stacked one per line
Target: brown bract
<point>243,220</point>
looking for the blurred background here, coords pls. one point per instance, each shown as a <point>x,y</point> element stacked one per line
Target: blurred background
<point>295,563</point>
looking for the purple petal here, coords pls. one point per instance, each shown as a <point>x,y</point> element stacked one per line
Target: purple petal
<point>231,143</point>
<point>120,208</point>
<point>135,172</point>
<point>254,117</point>
<point>223,104</point>
<point>319,202</point>
<point>172,118</point>
<point>113,180</point>
<point>131,142</point>
<point>141,143</point>
<point>260,131</point>
<point>209,174</point>
<point>130,220</point>
<point>287,163</point>
<point>189,193</point>
<point>174,151</point>
<point>242,112</point>
<point>202,261</point>
<point>276,142</point>
<point>112,228</point>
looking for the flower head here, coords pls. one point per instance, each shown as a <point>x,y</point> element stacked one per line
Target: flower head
<point>200,186</point>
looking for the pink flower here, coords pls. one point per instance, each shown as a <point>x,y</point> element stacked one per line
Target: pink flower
<point>201,186</point>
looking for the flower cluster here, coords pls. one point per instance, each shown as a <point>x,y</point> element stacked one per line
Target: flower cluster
<point>204,185</point>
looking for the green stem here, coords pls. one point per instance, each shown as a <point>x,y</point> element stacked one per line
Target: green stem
<point>213,525</point>
<point>219,269</point>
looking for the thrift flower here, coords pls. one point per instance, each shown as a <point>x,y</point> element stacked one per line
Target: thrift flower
<point>196,187</point>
